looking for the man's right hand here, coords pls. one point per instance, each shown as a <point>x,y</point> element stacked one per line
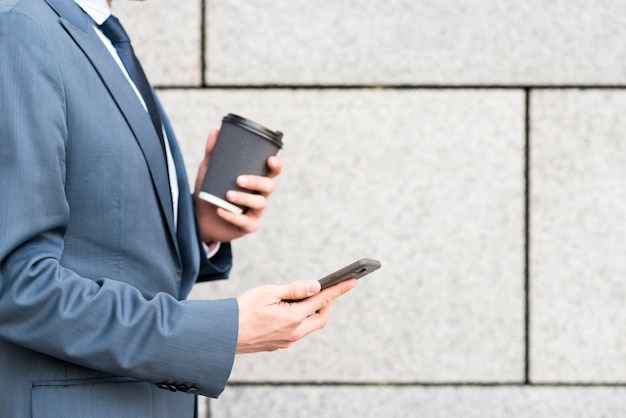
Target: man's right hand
<point>267,322</point>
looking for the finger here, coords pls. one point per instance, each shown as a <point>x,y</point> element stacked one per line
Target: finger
<point>210,143</point>
<point>209,146</point>
<point>251,201</point>
<point>312,322</point>
<point>245,222</point>
<point>325,297</point>
<point>275,166</point>
<point>263,185</point>
<point>298,290</point>
<point>208,149</point>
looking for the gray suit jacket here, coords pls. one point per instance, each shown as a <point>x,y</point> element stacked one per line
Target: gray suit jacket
<point>93,271</point>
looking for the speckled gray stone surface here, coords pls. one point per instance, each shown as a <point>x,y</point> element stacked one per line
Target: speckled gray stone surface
<point>166,38</point>
<point>429,402</point>
<point>579,236</point>
<point>403,42</point>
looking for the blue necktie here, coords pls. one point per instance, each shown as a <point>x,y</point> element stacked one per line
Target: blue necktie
<point>112,29</point>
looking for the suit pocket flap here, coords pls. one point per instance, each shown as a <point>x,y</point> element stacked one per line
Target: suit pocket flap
<point>94,398</point>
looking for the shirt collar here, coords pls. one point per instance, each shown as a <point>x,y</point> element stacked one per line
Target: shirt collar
<point>98,10</point>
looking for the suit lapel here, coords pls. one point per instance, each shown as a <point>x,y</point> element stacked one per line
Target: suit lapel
<point>78,26</point>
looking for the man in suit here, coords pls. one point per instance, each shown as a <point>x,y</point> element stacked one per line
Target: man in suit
<point>101,241</point>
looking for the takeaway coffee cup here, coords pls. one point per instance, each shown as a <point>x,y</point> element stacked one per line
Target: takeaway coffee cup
<point>242,147</point>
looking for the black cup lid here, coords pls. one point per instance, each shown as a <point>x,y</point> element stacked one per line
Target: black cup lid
<point>273,136</point>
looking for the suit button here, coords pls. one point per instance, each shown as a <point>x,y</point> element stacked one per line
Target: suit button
<point>182,388</point>
<point>166,386</point>
<point>193,390</point>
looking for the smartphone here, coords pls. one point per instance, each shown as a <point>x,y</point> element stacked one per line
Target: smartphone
<point>355,270</point>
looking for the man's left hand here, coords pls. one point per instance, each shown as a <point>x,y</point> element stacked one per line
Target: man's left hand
<point>217,224</point>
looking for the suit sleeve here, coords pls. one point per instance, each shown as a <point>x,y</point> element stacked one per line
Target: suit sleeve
<point>218,266</point>
<point>98,323</point>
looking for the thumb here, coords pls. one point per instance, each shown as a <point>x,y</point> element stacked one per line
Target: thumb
<point>204,164</point>
<point>299,290</point>
<point>210,145</point>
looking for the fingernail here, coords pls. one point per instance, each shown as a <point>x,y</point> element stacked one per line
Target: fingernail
<point>313,288</point>
<point>242,181</point>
